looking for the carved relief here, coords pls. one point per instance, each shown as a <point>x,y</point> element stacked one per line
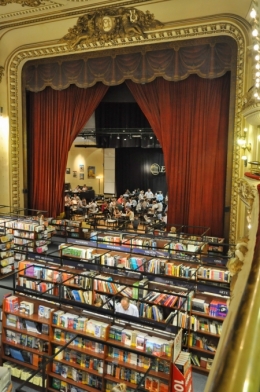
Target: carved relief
<point>1,73</point>
<point>111,24</point>
<point>23,3</point>
<point>246,193</point>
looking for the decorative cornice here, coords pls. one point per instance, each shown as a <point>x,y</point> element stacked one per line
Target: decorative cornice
<point>47,5</point>
<point>207,29</point>
<point>28,3</point>
<point>106,25</point>
<point>1,73</point>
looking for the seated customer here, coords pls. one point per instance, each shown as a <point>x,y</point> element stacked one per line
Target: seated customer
<point>125,307</point>
<point>129,214</point>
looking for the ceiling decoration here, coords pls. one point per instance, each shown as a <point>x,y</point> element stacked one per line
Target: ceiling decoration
<point>111,24</point>
<point>28,3</point>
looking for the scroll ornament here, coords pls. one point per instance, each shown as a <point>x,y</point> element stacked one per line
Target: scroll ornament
<point>111,24</point>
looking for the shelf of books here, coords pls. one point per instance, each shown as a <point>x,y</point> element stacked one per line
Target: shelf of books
<point>85,350</point>
<point>7,259</point>
<point>100,270</point>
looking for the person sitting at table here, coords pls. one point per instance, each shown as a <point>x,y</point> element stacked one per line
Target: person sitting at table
<point>92,207</point>
<point>159,196</point>
<point>135,223</point>
<point>77,189</point>
<point>120,200</point>
<point>159,209</point>
<point>133,203</point>
<point>149,194</point>
<point>117,214</point>
<point>153,208</point>
<point>84,188</point>
<point>139,206</point>
<point>141,195</point>
<point>67,204</point>
<point>130,214</point>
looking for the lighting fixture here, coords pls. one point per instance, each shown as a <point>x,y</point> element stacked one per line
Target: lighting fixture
<point>253,13</point>
<point>256,47</point>
<point>151,137</point>
<point>118,137</point>
<point>255,33</point>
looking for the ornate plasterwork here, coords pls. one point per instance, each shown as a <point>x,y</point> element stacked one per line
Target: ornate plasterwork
<point>1,73</point>
<point>23,3</point>
<point>251,107</point>
<point>225,27</point>
<point>246,193</point>
<point>47,5</point>
<point>109,24</point>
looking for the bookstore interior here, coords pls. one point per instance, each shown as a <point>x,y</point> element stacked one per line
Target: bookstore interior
<point>130,251</point>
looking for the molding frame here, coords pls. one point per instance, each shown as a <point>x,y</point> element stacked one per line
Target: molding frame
<point>225,26</point>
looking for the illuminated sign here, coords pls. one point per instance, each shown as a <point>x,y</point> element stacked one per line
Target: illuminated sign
<point>157,169</point>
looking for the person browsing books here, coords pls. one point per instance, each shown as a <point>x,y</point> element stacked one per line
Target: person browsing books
<point>125,307</point>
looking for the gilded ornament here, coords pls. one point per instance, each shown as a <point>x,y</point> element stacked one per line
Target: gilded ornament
<point>23,3</point>
<point>111,24</point>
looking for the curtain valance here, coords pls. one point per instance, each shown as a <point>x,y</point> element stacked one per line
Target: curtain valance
<point>209,60</point>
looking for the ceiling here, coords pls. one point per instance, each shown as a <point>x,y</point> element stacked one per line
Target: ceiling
<point>18,12</point>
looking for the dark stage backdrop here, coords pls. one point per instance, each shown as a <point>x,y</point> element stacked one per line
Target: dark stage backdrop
<point>133,170</point>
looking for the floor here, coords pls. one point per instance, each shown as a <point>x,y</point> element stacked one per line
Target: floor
<point>199,381</point>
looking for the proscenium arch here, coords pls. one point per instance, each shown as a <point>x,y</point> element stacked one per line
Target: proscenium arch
<point>220,30</point>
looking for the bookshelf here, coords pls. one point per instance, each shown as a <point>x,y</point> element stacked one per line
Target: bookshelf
<point>7,257</point>
<point>100,351</point>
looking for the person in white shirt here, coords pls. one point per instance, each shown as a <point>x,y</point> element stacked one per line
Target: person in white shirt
<point>92,207</point>
<point>141,195</point>
<point>125,307</point>
<point>149,194</point>
<point>159,210</point>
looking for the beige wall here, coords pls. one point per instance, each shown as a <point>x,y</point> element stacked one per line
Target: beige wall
<point>87,157</point>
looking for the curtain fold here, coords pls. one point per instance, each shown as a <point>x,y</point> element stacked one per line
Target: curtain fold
<point>55,119</point>
<point>208,60</point>
<point>190,120</point>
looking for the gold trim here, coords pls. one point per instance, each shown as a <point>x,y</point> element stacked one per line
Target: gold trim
<point>1,73</point>
<point>246,192</point>
<point>107,25</point>
<point>214,28</point>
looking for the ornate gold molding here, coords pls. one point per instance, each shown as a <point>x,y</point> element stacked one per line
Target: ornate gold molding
<point>47,5</point>
<point>202,30</point>
<point>28,3</point>
<point>107,25</point>
<point>246,193</point>
<point>1,73</point>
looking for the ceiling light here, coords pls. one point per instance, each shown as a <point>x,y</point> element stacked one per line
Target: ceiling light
<point>245,129</point>
<point>257,66</point>
<point>257,57</point>
<point>256,47</point>
<point>151,137</point>
<point>253,13</point>
<point>255,33</point>
<point>118,137</point>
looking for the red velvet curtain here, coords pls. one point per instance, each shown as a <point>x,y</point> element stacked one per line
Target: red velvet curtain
<point>190,120</point>
<point>56,117</point>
